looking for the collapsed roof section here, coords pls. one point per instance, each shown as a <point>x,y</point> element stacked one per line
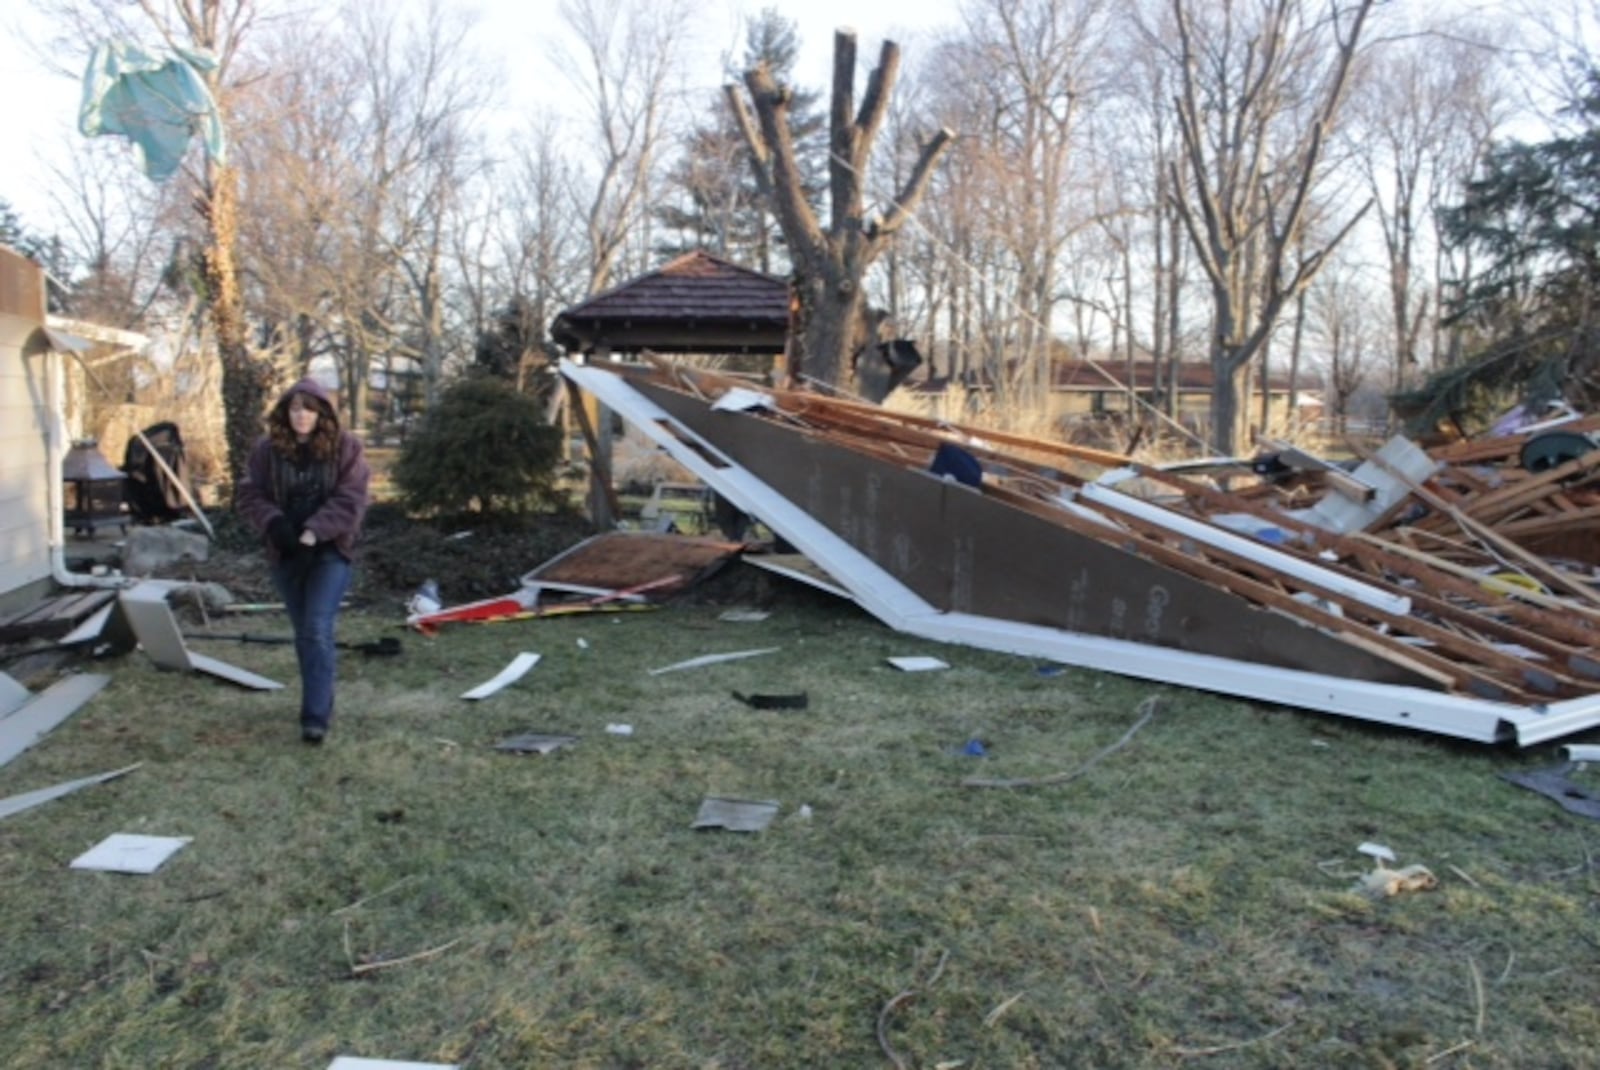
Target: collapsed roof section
<point>1045,552</point>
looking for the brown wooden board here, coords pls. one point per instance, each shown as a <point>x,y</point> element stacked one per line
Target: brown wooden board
<point>53,617</point>
<point>620,560</point>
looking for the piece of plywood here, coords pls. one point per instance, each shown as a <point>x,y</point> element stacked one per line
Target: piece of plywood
<point>623,560</point>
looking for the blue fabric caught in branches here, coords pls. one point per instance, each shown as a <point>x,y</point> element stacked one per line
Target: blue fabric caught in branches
<point>156,102</point>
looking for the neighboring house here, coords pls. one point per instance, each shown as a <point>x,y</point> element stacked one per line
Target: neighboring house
<point>1082,392</point>
<point>44,362</point>
<point>27,406</point>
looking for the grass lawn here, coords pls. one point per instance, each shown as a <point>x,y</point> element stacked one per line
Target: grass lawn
<point>1186,901</point>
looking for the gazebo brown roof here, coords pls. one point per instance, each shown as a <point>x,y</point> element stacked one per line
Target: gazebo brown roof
<point>697,303</point>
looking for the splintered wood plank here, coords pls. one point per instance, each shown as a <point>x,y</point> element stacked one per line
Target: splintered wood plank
<point>1437,579</point>
<point>1475,657</point>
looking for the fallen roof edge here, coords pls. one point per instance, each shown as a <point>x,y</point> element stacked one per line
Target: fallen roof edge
<point>883,596</point>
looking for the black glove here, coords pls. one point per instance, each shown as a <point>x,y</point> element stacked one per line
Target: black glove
<point>283,535</point>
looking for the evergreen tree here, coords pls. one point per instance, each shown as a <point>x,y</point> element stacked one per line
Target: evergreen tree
<point>717,206</point>
<point>47,252</point>
<point>484,448</point>
<point>1532,222</point>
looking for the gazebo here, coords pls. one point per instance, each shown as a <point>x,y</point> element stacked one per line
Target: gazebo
<point>695,303</point>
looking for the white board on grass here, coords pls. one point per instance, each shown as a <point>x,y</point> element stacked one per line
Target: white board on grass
<point>714,659</point>
<point>917,663</point>
<point>126,852</point>
<point>350,1062</point>
<point>510,674</point>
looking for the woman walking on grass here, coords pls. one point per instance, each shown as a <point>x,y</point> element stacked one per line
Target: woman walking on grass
<point>305,492</point>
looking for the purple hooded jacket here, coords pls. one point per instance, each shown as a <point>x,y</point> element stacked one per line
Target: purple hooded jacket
<point>338,521</point>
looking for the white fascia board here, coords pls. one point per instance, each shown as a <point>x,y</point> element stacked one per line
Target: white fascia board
<point>1559,719</point>
<point>887,599</point>
<point>1405,707</point>
<point>1277,560</point>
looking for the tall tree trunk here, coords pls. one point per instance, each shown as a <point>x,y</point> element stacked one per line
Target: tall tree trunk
<point>246,379</point>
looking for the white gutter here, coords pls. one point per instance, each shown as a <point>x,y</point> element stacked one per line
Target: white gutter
<point>55,451</point>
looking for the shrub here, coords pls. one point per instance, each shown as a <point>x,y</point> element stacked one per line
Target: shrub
<point>484,448</point>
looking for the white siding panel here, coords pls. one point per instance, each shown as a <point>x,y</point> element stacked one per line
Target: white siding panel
<point>24,469</point>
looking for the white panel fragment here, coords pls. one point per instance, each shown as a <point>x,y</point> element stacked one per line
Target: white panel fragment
<point>124,852</point>
<point>510,674</point>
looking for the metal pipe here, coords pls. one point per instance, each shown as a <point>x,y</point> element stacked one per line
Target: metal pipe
<point>55,450</point>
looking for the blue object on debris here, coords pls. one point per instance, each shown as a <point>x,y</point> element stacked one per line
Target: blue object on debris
<point>953,461</point>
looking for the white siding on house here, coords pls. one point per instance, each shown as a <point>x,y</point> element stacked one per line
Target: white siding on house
<point>24,410</point>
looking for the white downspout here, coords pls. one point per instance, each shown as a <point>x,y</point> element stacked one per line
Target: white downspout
<point>55,451</point>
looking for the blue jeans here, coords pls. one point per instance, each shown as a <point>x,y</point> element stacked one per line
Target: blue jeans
<point>312,584</point>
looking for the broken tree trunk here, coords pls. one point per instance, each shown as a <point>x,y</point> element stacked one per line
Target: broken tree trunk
<point>830,265</point>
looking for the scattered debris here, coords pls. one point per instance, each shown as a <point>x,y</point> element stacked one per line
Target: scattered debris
<point>1382,882</point>
<point>796,701</point>
<point>125,852</point>
<point>1377,852</point>
<point>1555,783</point>
<point>25,718</point>
<point>383,647</point>
<point>918,663</point>
<point>1587,752</point>
<point>16,804</point>
<point>145,610</point>
<point>351,1062</point>
<point>510,674</point>
<point>535,743</point>
<point>972,748</point>
<point>714,659</point>
<point>744,616</point>
<point>425,601</point>
<point>619,729</point>
<point>1147,710</point>
<point>53,617</point>
<point>900,999</point>
<point>735,815</point>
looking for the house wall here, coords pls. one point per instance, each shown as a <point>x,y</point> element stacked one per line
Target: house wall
<point>24,410</point>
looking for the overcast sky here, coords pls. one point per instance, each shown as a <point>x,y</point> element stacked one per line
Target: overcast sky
<point>42,108</point>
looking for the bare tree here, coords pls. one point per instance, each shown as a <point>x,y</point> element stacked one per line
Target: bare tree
<point>1260,86</point>
<point>829,265</point>
<point>1340,315</point>
<point>626,54</point>
<point>1416,112</point>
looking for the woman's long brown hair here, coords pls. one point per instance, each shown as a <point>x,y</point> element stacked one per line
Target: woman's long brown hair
<point>324,440</point>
